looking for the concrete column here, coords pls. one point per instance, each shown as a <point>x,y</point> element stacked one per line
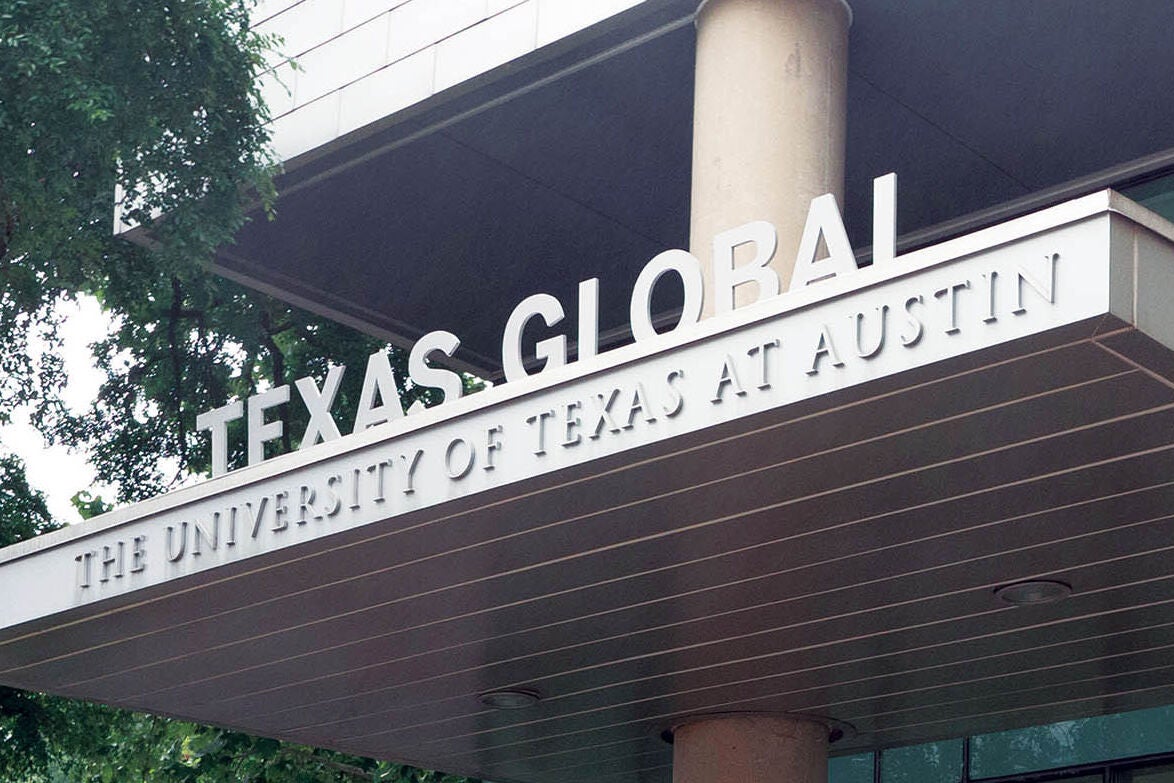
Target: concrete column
<point>750,748</point>
<point>768,123</point>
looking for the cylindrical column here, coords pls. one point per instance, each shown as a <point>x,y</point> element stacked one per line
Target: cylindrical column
<point>750,748</point>
<point>768,121</point>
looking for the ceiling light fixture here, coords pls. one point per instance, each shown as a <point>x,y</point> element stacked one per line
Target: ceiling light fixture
<point>1034,592</point>
<point>509,699</point>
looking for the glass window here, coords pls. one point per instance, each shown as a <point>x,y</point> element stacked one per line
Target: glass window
<point>1157,195</point>
<point>850,769</point>
<point>1073,742</point>
<point>1163,774</point>
<point>935,762</point>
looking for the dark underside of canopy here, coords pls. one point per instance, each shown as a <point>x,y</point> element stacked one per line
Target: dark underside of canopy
<point>559,167</point>
<point>836,556</point>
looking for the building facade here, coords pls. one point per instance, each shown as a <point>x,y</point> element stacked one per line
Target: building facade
<point>833,403</point>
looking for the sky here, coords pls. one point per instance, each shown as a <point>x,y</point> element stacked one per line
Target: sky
<point>54,470</point>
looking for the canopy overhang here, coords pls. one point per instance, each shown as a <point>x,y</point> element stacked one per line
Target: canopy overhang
<point>821,534</point>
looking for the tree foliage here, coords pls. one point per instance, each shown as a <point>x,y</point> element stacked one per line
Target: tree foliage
<point>154,100</point>
<point>23,513</point>
<point>187,342</point>
<point>157,97</point>
<point>50,740</point>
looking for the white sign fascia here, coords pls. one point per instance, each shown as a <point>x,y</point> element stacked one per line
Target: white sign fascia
<point>918,310</point>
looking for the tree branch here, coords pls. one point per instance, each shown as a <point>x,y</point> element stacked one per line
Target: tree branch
<point>177,366</point>
<point>278,357</point>
<point>308,755</point>
<point>9,221</point>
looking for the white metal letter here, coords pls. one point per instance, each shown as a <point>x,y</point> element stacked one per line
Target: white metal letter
<point>553,349</point>
<point>321,423</point>
<point>884,219</point>
<point>380,380</point>
<point>216,421</point>
<point>588,337</point>
<point>727,277</point>
<point>261,432</point>
<point>1045,288</point>
<point>640,309</point>
<point>823,219</point>
<point>434,377</point>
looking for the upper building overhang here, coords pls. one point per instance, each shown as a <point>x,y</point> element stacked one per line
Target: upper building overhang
<point>810,511</point>
<point>517,147</point>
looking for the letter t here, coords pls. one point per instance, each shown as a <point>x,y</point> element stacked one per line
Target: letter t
<point>217,422</point>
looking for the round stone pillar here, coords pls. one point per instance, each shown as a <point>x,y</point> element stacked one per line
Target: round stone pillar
<point>750,748</point>
<point>768,121</point>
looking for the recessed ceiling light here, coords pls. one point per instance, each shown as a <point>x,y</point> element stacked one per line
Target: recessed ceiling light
<point>1034,592</point>
<point>509,699</point>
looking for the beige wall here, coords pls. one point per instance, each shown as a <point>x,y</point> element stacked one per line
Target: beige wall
<point>361,60</point>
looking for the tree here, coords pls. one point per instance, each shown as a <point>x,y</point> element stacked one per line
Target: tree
<point>187,342</point>
<point>49,740</point>
<point>23,513</point>
<point>159,98</point>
